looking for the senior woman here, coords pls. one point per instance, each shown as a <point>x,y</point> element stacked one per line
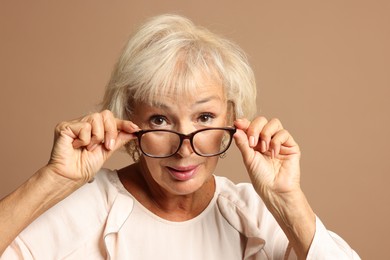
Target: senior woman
<point>177,98</point>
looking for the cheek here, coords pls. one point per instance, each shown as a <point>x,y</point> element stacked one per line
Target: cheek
<point>211,164</point>
<point>153,165</point>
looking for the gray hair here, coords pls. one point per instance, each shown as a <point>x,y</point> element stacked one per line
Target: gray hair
<point>170,53</point>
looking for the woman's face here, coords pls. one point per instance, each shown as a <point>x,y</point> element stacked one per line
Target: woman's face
<point>185,172</point>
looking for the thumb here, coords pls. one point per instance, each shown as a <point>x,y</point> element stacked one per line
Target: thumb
<point>125,134</point>
<point>122,139</point>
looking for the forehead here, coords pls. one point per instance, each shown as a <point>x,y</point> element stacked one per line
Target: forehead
<point>200,92</point>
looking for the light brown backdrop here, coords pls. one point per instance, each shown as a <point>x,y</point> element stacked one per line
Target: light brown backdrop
<point>322,67</point>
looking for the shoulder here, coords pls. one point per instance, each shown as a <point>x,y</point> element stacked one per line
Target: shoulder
<point>241,195</point>
<point>239,203</point>
<point>97,195</point>
<point>76,219</point>
<point>91,200</point>
<point>243,208</point>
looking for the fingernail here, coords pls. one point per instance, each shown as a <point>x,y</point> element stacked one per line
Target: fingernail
<point>237,121</point>
<point>111,144</point>
<point>134,125</point>
<point>252,141</point>
<point>263,146</point>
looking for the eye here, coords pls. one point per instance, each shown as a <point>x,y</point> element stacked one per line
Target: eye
<point>158,120</point>
<point>206,118</point>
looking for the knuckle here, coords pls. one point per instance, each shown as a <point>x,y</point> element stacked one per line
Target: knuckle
<point>91,117</point>
<point>260,121</point>
<point>96,116</point>
<point>277,122</point>
<point>286,132</point>
<point>257,125</point>
<point>265,135</point>
<point>87,126</point>
<point>60,127</point>
<point>107,113</point>
<point>263,119</point>
<point>98,138</point>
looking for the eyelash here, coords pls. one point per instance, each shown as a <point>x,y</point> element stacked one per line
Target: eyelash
<point>160,120</point>
<point>153,120</point>
<point>209,116</point>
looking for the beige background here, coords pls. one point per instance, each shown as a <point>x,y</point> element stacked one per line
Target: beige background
<point>322,67</point>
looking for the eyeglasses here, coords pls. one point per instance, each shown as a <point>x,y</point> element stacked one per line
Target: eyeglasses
<point>206,142</point>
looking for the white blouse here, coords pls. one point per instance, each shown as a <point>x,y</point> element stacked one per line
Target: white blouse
<point>102,220</point>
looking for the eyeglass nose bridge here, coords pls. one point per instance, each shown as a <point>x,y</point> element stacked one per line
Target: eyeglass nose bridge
<point>183,137</point>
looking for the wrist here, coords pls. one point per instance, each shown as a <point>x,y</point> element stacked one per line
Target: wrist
<point>296,218</point>
<point>292,207</point>
<point>53,174</point>
<point>55,186</point>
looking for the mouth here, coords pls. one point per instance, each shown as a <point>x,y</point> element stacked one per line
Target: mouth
<point>183,173</point>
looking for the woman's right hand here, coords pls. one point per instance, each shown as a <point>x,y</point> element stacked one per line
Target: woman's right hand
<point>83,145</point>
<point>79,151</point>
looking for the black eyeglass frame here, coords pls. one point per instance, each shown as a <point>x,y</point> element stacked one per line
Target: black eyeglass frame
<point>190,136</point>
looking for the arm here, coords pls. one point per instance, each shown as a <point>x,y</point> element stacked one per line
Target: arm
<point>43,190</point>
<point>272,157</point>
<point>297,220</point>
<point>78,153</point>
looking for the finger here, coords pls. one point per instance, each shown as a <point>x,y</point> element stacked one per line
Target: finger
<point>254,130</point>
<point>122,139</point>
<point>242,143</point>
<point>97,130</point>
<point>283,143</point>
<point>268,131</point>
<point>126,126</point>
<point>126,130</point>
<point>278,140</point>
<point>242,123</point>
<point>79,133</point>
<point>110,129</point>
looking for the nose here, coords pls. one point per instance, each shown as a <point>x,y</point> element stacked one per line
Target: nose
<point>185,149</point>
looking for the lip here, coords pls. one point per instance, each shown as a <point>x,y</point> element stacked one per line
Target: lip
<point>182,173</point>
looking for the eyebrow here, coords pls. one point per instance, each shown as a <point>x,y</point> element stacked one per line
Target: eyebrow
<point>207,99</point>
<point>198,102</point>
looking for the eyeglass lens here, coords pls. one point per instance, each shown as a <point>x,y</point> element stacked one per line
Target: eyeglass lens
<point>206,143</point>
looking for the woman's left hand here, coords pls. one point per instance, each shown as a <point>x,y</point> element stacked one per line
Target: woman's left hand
<point>270,155</point>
